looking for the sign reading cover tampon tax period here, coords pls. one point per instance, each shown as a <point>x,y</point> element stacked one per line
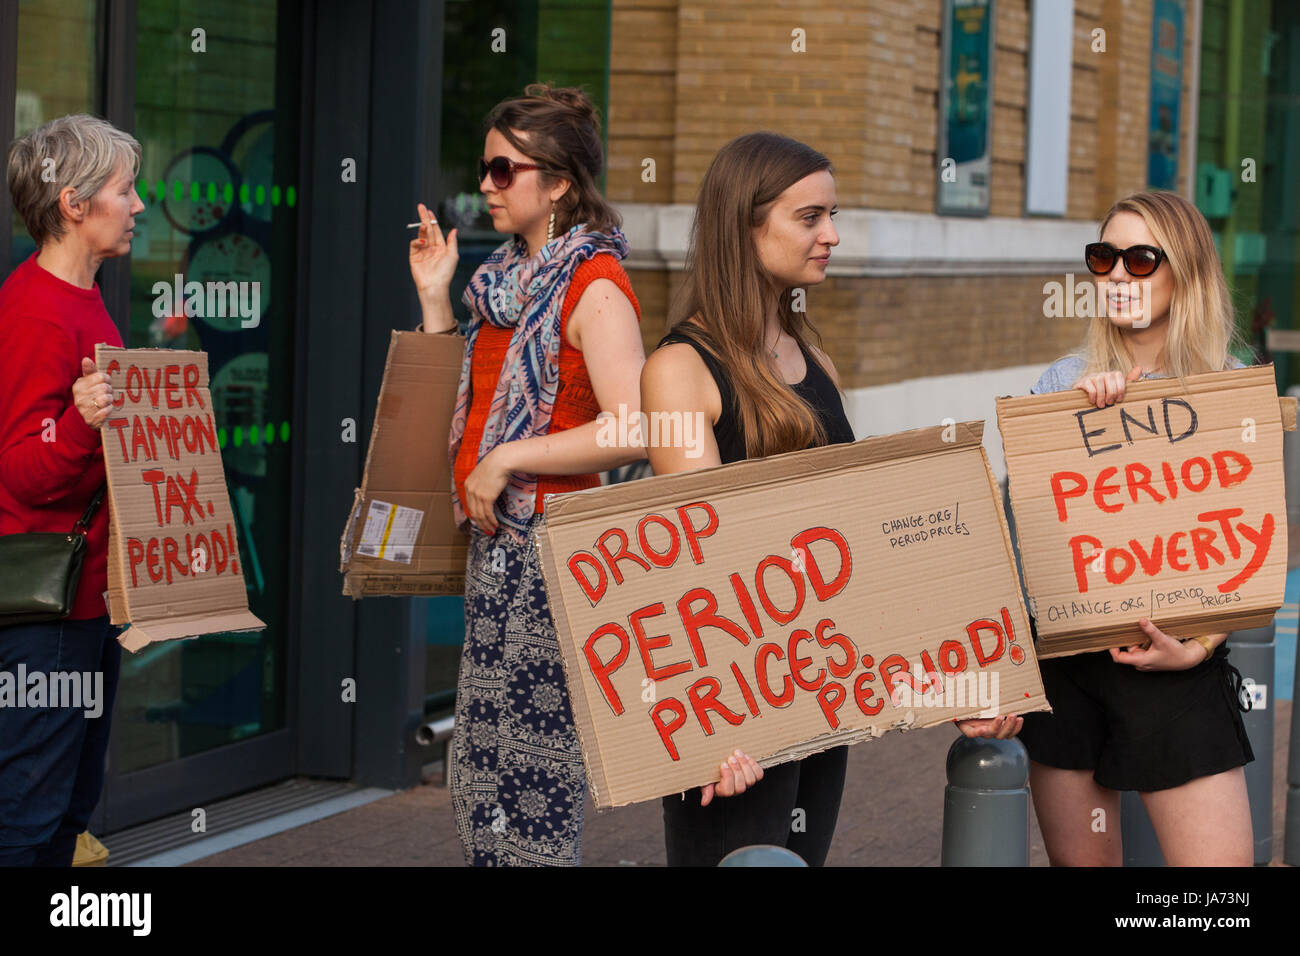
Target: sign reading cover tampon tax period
<point>173,562</point>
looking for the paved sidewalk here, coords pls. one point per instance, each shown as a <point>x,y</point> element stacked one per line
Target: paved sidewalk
<point>892,815</point>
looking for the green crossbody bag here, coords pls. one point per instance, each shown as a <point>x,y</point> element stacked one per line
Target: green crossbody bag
<point>39,571</point>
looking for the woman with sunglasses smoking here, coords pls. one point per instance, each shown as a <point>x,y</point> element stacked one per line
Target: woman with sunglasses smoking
<point>553,339</point>
<point>1160,718</point>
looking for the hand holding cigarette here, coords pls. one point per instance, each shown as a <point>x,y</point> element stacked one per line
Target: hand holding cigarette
<point>433,259</point>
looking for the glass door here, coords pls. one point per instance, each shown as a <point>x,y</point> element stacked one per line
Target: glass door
<point>216,113</point>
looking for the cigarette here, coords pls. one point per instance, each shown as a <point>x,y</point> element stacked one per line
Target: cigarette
<point>417,225</point>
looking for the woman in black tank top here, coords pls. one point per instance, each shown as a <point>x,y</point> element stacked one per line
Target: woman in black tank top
<point>738,358</point>
<point>816,389</point>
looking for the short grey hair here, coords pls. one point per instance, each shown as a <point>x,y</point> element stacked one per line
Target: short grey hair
<point>86,152</point>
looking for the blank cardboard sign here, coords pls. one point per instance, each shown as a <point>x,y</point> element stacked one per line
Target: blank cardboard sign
<point>400,537</point>
<point>784,605</point>
<point>173,557</point>
<point>1168,505</point>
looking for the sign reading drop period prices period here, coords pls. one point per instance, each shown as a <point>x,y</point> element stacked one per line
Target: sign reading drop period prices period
<point>173,558</point>
<point>783,606</point>
<point>1168,505</point>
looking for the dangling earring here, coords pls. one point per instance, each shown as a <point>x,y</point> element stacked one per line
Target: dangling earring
<point>550,226</point>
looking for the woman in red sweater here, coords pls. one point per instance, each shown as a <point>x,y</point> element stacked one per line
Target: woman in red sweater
<point>552,341</point>
<point>73,183</point>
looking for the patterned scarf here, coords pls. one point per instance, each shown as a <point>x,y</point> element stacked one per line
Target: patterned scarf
<point>512,290</point>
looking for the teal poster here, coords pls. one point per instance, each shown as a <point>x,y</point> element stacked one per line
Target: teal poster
<point>1166,94</point>
<point>966,108</point>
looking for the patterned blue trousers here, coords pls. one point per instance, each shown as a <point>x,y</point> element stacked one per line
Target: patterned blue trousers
<point>517,778</point>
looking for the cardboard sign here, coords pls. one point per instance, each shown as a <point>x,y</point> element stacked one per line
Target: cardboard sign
<point>400,537</point>
<point>784,605</point>
<point>1168,505</point>
<point>173,556</point>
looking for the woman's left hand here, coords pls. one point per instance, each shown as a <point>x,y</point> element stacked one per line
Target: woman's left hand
<point>1162,652</point>
<point>484,485</point>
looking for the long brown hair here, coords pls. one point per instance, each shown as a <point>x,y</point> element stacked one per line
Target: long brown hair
<point>1202,329</point>
<point>727,293</point>
<point>563,130</point>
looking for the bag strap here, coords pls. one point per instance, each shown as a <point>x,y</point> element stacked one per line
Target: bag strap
<point>83,523</point>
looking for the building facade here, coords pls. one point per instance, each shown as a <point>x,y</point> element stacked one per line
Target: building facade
<point>287,142</point>
<point>925,316</point>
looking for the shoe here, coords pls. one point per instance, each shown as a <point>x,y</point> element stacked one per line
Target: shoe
<point>90,852</point>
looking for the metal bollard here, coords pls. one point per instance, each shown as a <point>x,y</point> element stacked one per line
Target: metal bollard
<point>1253,654</point>
<point>1291,837</point>
<point>986,803</point>
<point>763,854</point>
<point>435,732</point>
<point>1137,835</point>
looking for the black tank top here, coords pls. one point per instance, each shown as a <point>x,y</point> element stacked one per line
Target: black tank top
<point>816,389</point>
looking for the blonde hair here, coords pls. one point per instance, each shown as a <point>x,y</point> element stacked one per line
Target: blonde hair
<point>1202,328</point>
<point>86,152</point>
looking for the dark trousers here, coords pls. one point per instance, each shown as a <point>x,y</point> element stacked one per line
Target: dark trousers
<point>52,758</point>
<point>766,814</point>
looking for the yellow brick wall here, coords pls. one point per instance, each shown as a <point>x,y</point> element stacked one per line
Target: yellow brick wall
<point>686,76</point>
<point>882,330</point>
<point>1085,110</point>
<point>642,98</point>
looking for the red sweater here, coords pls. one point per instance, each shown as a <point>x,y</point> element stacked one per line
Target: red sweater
<point>46,327</point>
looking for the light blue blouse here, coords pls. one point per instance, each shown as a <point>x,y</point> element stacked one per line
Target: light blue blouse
<point>1064,372</point>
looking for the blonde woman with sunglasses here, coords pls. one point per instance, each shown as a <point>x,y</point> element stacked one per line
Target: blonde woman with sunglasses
<point>1162,718</point>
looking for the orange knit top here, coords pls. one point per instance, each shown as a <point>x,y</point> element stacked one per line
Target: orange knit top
<point>575,402</point>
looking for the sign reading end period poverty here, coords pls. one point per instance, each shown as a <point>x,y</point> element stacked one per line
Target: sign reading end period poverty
<point>173,558</point>
<point>1168,505</point>
<point>783,606</point>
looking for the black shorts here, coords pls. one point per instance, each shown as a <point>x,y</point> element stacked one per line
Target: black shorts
<point>1138,730</point>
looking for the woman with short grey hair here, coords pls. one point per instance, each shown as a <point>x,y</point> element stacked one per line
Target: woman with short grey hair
<point>73,183</point>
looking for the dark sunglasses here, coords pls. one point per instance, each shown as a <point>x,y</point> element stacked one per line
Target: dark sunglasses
<point>1139,261</point>
<point>502,170</point>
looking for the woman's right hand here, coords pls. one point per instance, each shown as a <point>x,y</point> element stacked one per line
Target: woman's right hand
<point>739,772</point>
<point>433,259</point>
<point>1003,727</point>
<point>92,395</point>
<point>1105,388</point>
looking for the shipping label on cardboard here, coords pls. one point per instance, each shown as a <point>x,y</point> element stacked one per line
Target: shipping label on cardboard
<point>400,538</point>
<point>1168,505</point>
<point>390,532</point>
<point>173,563</point>
<point>783,606</point>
